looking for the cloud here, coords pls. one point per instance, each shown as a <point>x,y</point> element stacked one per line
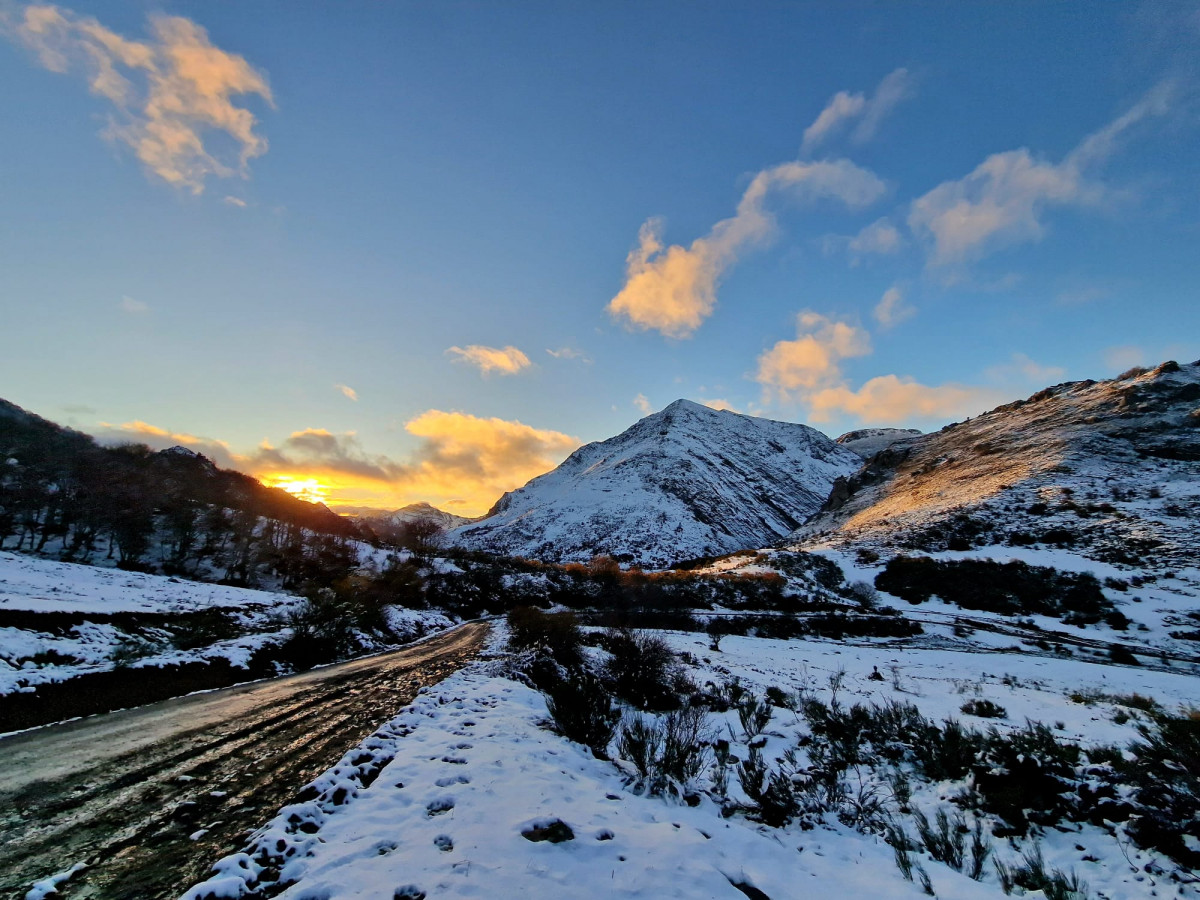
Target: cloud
<point>721,405</point>
<point>1021,368</point>
<point>844,108</point>
<point>570,353</point>
<point>889,399</point>
<point>813,359</point>
<point>881,236</point>
<point>892,310</point>
<point>808,371</point>
<point>506,361</point>
<point>234,201</point>
<point>672,289</point>
<point>643,404</point>
<point>163,438</point>
<point>347,391</point>
<point>170,93</point>
<point>134,307</point>
<point>1004,200</point>
<point>1126,356</point>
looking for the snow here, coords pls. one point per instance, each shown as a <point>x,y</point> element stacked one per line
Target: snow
<point>435,803</point>
<point>688,481</point>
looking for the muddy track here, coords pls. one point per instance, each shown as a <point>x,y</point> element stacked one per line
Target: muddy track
<point>148,798</point>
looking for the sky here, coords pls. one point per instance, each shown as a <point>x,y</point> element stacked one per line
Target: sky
<point>388,253</point>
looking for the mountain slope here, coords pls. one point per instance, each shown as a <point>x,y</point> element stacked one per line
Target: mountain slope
<point>1110,468</point>
<point>685,482</point>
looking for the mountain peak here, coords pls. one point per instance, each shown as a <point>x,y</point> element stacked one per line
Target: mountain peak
<point>686,481</point>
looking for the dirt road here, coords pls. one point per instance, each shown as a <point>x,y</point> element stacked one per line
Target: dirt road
<point>149,798</point>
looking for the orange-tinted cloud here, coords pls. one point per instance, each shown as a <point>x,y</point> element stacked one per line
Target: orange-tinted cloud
<point>890,400</point>
<point>672,289</point>
<point>813,359</point>
<point>844,108</point>
<point>461,462</point>
<point>503,360</point>
<point>167,92</point>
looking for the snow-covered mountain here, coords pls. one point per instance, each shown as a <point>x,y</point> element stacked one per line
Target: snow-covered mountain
<point>1110,469</point>
<point>866,442</point>
<point>685,482</point>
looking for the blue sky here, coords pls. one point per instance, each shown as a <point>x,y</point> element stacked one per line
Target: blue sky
<point>421,251</point>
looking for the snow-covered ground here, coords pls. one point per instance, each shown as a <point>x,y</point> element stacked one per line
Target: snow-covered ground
<point>111,618</point>
<point>436,803</point>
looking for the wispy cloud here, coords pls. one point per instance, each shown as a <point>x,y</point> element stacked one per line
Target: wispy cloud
<point>1124,356</point>
<point>672,289</point>
<point>570,353</point>
<point>844,109</point>
<point>721,405</point>
<point>169,93</point>
<point>1021,368</point>
<point>643,404</point>
<point>892,400</point>
<point>880,237</point>
<point>134,307</point>
<point>503,360</point>
<point>892,309</point>
<point>1004,200</point>
<point>230,200</point>
<point>347,391</point>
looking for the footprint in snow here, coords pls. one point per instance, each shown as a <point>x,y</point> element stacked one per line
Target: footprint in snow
<point>439,806</point>
<point>452,779</point>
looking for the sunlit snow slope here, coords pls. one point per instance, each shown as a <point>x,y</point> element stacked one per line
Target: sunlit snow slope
<point>685,482</point>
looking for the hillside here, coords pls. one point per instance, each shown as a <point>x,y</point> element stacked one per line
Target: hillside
<point>685,482</point>
<point>63,495</point>
<point>1108,469</point>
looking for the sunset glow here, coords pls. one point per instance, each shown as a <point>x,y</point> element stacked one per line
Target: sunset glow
<point>308,489</point>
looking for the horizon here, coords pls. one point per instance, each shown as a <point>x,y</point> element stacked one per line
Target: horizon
<point>415,254</point>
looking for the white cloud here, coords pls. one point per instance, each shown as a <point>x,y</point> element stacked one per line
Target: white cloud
<point>134,307</point>
<point>844,108</point>
<point>347,391</point>
<point>721,405</point>
<point>570,353</point>
<point>504,360</point>
<point>169,93</point>
<point>1123,357</point>
<point>673,289</point>
<point>1021,368</point>
<point>230,200</point>
<point>643,404</point>
<point>881,237</point>
<point>1003,201</point>
<point>892,310</point>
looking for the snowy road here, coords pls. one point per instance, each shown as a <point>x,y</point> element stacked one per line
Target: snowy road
<point>147,798</point>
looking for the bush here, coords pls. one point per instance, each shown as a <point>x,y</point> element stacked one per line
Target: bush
<point>642,669</point>
<point>1031,875</point>
<point>1012,588</point>
<point>556,634</point>
<point>668,753</point>
<point>1167,786</point>
<point>984,709</point>
<point>1026,777</point>
<point>583,711</point>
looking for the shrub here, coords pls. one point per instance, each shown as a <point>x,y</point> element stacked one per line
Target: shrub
<point>1031,875</point>
<point>1024,777</point>
<point>984,709</point>
<point>1012,588</point>
<point>755,715</point>
<point>642,670</point>
<point>1167,786</point>
<point>583,711</point>
<point>556,634</point>
<point>667,753</point>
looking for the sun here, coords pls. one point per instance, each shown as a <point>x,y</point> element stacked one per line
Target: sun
<point>309,489</point>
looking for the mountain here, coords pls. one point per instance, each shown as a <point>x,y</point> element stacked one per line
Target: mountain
<point>866,442</point>
<point>1110,469</point>
<point>685,482</point>
<point>414,512</point>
